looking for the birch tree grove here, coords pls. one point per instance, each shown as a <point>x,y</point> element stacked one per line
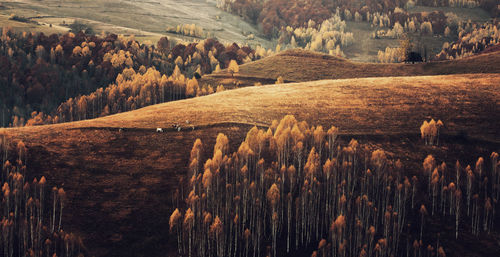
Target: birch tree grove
<point>31,212</point>
<point>293,185</point>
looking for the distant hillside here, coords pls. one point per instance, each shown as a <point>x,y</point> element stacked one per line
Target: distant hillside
<point>146,19</point>
<point>55,78</point>
<point>300,65</point>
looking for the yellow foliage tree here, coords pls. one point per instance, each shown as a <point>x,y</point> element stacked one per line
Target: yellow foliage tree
<point>233,67</point>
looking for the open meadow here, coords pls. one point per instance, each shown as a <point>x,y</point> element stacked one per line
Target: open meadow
<point>120,183</point>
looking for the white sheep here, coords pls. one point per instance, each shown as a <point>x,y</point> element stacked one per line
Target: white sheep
<point>160,130</point>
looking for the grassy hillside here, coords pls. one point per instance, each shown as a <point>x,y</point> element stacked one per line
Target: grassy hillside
<point>120,184</point>
<point>31,27</point>
<point>146,19</point>
<point>290,65</point>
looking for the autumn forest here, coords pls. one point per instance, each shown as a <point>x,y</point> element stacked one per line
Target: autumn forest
<point>248,128</point>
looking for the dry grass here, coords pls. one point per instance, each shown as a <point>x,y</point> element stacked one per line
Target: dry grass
<point>299,65</point>
<point>367,105</point>
<point>120,184</point>
<point>30,27</point>
<point>365,48</point>
<point>147,18</point>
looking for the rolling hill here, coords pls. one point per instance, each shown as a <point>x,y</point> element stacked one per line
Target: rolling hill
<point>120,184</point>
<point>146,19</point>
<point>290,66</point>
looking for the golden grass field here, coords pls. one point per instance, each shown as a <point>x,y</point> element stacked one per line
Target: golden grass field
<point>358,106</point>
<point>299,66</point>
<point>120,184</point>
<point>146,19</point>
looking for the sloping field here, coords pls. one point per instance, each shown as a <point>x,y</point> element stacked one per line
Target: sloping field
<point>299,65</point>
<point>368,105</point>
<point>144,18</point>
<point>120,184</point>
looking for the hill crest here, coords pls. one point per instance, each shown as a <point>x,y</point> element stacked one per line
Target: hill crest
<point>298,65</point>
